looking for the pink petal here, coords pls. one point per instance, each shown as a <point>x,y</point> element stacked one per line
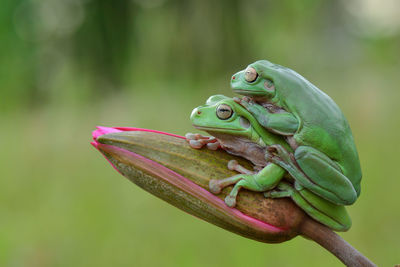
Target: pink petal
<point>101,130</point>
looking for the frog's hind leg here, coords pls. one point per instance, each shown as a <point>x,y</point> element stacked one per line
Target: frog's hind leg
<point>264,180</point>
<point>281,190</point>
<point>240,180</point>
<point>321,210</point>
<point>317,172</point>
<point>217,185</point>
<point>248,182</point>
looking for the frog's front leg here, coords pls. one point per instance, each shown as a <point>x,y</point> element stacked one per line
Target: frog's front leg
<point>316,172</point>
<point>281,190</point>
<point>283,123</point>
<point>198,141</point>
<point>262,181</point>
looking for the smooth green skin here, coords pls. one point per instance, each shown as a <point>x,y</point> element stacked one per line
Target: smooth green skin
<point>326,160</point>
<point>270,177</point>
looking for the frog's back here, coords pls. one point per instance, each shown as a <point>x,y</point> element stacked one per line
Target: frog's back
<point>322,123</point>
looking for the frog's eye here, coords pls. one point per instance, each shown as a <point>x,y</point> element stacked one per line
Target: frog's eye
<point>250,74</point>
<point>224,112</point>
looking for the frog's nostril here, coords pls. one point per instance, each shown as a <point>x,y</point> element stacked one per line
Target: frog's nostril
<point>195,113</point>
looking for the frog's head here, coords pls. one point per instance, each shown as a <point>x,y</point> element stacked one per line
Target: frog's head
<point>251,82</point>
<point>221,115</point>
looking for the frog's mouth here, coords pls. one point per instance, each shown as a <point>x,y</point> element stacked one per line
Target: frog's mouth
<point>249,92</point>
<point>217,129</point>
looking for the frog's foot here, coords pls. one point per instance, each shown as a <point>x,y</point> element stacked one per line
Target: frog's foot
<point>216,186</point>
<point>248,182</point>
<point>240,181</point>
<point>281,190</point>
<point>198,141</point>
<point>279,155</point>
<point>233,165</point>
<point>245,101</point>
<point>264,180</point>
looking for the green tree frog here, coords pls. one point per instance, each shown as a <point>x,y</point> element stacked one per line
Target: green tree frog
<point>235,130</point>
<point>325,159</point>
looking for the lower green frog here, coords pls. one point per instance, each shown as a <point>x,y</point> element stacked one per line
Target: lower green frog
<point>235,130</point>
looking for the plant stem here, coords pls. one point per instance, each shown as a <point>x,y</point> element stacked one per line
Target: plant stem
<point>334,244</point>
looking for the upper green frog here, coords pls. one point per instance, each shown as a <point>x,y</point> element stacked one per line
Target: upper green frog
<point>239,133</point>
<point>325,159</point>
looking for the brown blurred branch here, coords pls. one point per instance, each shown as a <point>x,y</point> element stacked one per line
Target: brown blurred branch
<point>334,244</point>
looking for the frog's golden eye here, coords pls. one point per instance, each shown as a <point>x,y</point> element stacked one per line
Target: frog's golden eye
<point>224,112</point>
<point>250,74</point>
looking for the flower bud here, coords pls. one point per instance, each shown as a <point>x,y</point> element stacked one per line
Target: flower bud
<point>164,165</point>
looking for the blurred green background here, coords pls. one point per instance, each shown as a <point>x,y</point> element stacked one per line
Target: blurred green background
<point>69,65</point>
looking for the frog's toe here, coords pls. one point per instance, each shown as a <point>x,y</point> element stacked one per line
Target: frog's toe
<point>249,100</point>
<point>237,99</point>
<point>246,99</point>
<point>278,151</point>
<point>244,102</point>
<point>230,201</point>
<point>214,186</point>
<point>268,194</point>
<point>213,146</point>
<point>274,149</point>
<point>190,136</point>
<point>271,194</point>
<point>232,164</point>
<point>271,154</point>
<point>195,144</point>
<point>282,190</point>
